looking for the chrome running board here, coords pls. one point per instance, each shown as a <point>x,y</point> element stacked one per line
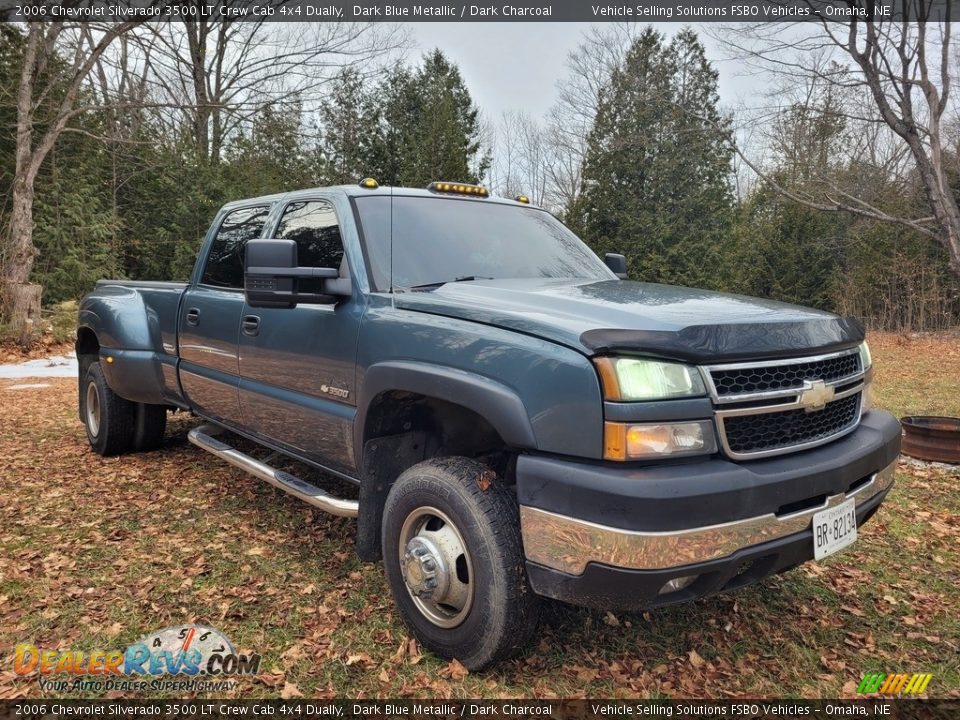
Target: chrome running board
<point>203,438</point>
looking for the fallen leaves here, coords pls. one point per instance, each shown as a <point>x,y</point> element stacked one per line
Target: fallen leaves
<point>149,540</point>
<point>360,659</point>
<point>454,670</point>
<point>486,479</point>
<point>290,691</point>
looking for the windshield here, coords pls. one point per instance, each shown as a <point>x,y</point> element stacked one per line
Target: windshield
<point>438,240</point>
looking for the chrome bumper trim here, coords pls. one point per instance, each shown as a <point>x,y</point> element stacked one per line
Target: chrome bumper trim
<point>568,544</point>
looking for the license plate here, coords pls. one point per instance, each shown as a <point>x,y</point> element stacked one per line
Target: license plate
<point>834,529</point>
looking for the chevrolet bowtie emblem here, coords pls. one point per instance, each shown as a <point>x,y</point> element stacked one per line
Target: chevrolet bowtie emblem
<point>815,395</point>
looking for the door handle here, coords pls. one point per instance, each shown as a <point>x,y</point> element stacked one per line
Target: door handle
<point>250,325</point>
<point>193,316</point>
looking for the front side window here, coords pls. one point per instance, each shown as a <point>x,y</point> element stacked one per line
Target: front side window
<point>224,266</point>
<point>312,224</point>
<point>438,240</point>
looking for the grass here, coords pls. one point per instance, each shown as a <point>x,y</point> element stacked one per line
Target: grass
<point>56,335</point>
<point>95,553</point>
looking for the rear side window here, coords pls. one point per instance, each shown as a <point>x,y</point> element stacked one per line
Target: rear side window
<point>224,266</point>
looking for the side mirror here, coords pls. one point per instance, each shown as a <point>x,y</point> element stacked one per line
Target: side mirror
<point>272,277</point>
<point>617,263</point>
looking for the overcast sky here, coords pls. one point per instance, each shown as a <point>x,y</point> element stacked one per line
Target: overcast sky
<point>515,66</point>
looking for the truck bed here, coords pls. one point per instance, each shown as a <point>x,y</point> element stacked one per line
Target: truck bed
<point>146,284</point>
<point>137,325</point>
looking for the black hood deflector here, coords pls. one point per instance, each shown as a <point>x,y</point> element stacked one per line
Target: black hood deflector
<point>732,342</point>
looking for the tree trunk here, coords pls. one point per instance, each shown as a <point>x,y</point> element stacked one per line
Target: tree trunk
<point>22,302</point>
<point>21,298</point>
<point>936,187</point>
<point>197,43</point>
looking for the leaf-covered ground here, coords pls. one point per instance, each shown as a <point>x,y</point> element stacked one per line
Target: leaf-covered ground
<point>95,553</point>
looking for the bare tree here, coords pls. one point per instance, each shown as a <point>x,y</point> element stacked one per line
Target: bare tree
<point>214,76</point>
<point>570,120</point>
<point>50,99</point>
<point>905,67</point>
<point>523,159</point>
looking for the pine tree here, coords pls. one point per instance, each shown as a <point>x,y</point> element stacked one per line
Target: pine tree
<point>349,121</point>
<point>272,156</point>
<point>430,129</point>
<point>656,176</point>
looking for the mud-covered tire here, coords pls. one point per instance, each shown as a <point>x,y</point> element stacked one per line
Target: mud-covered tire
<point>502,612</point>
<point>150,423</point>
<point>107,417</point>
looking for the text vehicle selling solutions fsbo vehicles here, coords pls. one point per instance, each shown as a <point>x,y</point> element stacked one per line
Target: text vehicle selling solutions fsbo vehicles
<point>519,419</point>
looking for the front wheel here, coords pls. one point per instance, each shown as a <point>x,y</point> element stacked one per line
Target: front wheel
<point>454,560</point>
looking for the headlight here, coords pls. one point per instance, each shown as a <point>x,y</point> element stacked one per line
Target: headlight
<point>865,360</point>
<point>629,441</point>
<point>628,379</point>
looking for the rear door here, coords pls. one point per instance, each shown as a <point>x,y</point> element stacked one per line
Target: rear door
<point>297,366</point>
<point>209,323</point>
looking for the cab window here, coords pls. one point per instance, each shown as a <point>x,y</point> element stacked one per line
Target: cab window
<point>312,224</point>
<point>224,267</point>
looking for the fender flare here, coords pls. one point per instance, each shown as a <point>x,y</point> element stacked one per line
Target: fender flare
<point>495,402</point>
<point>126,330</point>
<point>118,317</point>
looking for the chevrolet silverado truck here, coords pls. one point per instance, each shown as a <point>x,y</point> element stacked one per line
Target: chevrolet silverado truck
<point>520,420</point>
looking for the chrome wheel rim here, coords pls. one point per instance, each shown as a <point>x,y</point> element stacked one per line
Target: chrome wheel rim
<point>93,410</point>
<point>436,566</point>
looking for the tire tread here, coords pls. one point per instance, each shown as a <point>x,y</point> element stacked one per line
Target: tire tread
<point>116,416</point>
<point>494,510</point>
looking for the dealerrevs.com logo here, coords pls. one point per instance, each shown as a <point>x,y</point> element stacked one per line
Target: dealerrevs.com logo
<point>183,657</point>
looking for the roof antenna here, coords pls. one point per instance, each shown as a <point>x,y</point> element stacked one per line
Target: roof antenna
<point>392,297</point>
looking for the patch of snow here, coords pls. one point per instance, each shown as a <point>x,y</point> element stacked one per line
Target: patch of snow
<point>28,386</point>
<point>48,367</point>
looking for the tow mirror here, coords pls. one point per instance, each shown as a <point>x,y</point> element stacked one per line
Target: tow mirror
<point>273,278</point>
<point>617,263</point>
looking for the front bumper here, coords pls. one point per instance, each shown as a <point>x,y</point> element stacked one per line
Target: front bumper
<point>718,524</point>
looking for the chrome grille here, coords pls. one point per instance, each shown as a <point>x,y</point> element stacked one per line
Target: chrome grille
<point>780,377</point>
<point>773,431</point>
<point>781,406</point>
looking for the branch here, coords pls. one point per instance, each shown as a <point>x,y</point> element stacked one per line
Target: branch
<point>866,210</point>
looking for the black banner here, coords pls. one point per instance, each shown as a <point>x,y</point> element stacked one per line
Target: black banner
<point>894,709</point>
<point>478,11</point>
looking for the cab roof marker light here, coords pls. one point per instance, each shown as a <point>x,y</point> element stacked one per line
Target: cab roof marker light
<point>369,184</point>
<point>522,199</point>
<point>458,189</point>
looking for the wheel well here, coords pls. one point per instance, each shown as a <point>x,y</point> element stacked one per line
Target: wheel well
<point>88,351</point>
<point>449,428</point>
<point>404,428</point>
<point>87,343</point>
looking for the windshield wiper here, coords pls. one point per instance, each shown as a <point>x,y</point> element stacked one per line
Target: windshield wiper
<point>465,278</point>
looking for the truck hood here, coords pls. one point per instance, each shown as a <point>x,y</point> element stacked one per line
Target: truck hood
<point>659,320</point>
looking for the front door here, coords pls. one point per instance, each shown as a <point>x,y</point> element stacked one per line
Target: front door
<point>209,321</point>
<point>297,384</point>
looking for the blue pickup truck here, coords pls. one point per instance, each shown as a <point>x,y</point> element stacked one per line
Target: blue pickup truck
<point>519,419</point>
